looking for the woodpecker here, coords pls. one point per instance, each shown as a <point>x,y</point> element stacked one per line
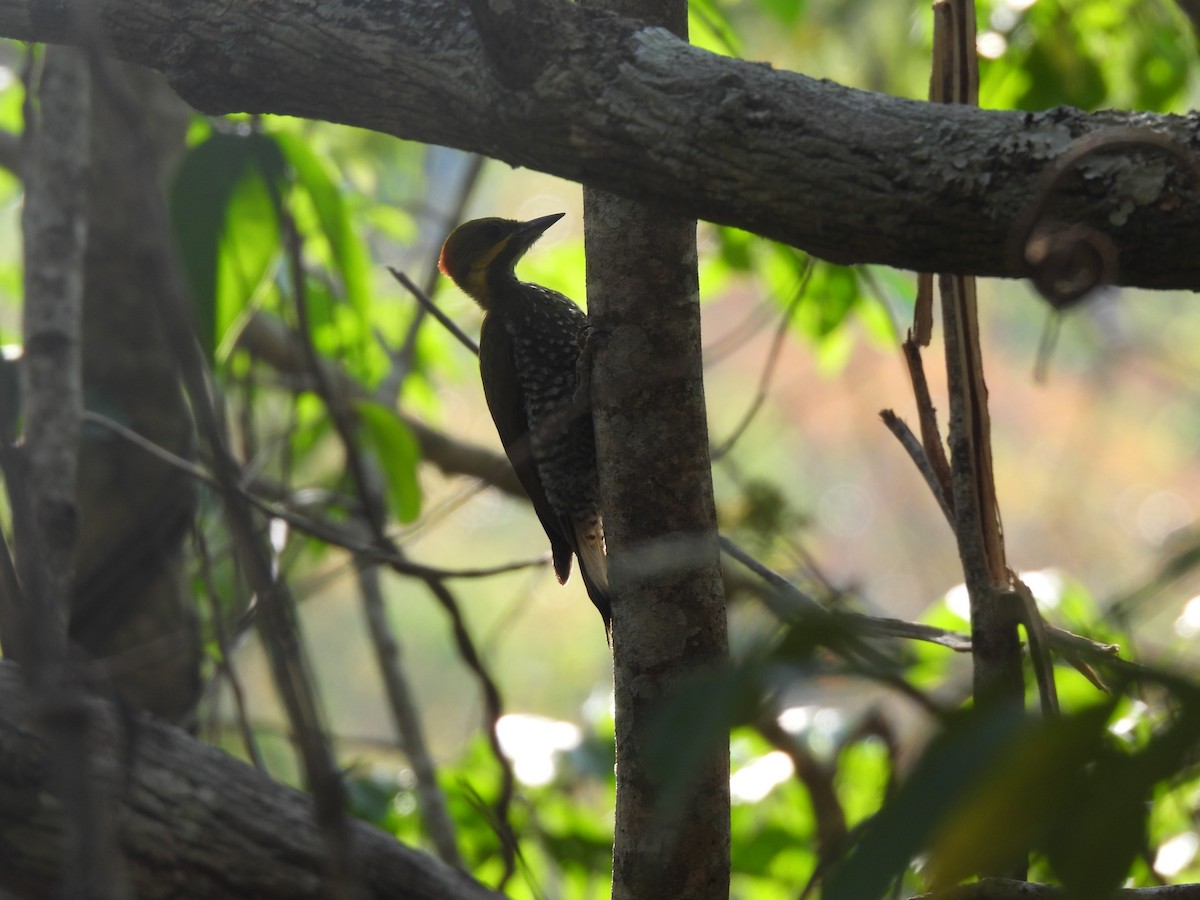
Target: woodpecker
<point>529,349</point>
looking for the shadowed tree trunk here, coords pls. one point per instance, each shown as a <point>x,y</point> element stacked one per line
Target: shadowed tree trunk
<point>672,814</point>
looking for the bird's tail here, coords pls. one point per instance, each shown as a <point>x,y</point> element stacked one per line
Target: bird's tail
<point>593,564</point>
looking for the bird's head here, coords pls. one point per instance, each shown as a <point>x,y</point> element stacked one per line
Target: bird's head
<point>483,248</point>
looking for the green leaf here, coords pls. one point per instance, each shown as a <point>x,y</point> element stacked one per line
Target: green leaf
<point>1032,786</point>
<point>1163,63</point>
<point>349,253</point>
<point>710,29</point>
<point>973,762</point>
<point>695,719</point>
<point>1062,72</point>
<point>224,225</point>
<point>786,11</point>
<point>247,251</point>
<point>397,452</point>
<point>831,294</point>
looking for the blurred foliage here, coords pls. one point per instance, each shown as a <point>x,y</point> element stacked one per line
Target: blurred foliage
<point>1093,795</point>
<point>1089,795</point>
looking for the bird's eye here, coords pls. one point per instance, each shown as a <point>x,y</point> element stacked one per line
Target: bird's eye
<point>492,231</point>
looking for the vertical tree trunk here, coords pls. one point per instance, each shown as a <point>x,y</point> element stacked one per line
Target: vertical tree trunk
<point>660,524</point>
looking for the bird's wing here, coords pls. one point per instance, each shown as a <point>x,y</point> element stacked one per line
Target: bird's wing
<point>506,402</point>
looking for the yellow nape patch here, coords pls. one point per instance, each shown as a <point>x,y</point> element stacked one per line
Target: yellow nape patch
<point>475,282</point>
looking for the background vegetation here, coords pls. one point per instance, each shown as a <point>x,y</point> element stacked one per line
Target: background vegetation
<point>1096,473</point>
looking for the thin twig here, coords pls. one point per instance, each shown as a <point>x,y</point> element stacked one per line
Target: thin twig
<point>326,530</point>
<point>878,626</point>
<point>792,606</point>
<point>493,711</point>
<point>225,665</point>
<point>407,717</point>
<point>931,436</point>
<point>1039,648</point>
<point>916,453</point>
<point>344,422</point>
<point>799,603</point>
<point>764,381</point>
<point>428,304</point>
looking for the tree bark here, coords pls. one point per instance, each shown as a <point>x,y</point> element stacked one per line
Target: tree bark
<point>193,822</point>
<point>848,175</point>
<point>1008,889</point>
<point>672,809</point>
<point>131,601</point>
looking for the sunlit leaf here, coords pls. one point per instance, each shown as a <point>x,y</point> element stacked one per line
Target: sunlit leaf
<point>1062,68</point>
<point>248,249</point>
<point>952,767</point>
<point>1164,64</point>
<point>1014,800</point>
<point>710,29</point>
<point>224,224</point>
<point>786,11</point>
<point>397,453</point>
<point>832,292</point>
<point>349,253</point>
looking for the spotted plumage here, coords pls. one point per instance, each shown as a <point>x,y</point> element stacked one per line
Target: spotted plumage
<point>529,349</point>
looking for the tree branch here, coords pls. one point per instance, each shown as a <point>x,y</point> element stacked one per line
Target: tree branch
<point>1007,889</point>
<point>848,175</point>
<point>195,823</point>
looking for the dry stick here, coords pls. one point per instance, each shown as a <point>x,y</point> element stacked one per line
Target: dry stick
<point>277,626</point>
<point>996,648</point>
<point>921,332</point>
<point>966,85</point>
<point>791,606</point>
<point>764,381</point>
<point>431,307</point>
<point>993,613</point>
<point>408,718</point>
<point>788,603</point>
<point>977,519</point>
<point>493,709</point>
<point>931,437</point>
<point>369,496</point>
<point>953,78</point>
<point>225,664</point>
<point>920,458</point>
<point>325,530</point>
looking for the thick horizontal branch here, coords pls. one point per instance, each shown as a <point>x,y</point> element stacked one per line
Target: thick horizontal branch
<point>848,175</point>
<point>194,822</point>
<point>1004,889</point>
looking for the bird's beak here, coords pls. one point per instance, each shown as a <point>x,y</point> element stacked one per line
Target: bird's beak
<point>532,230</point>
